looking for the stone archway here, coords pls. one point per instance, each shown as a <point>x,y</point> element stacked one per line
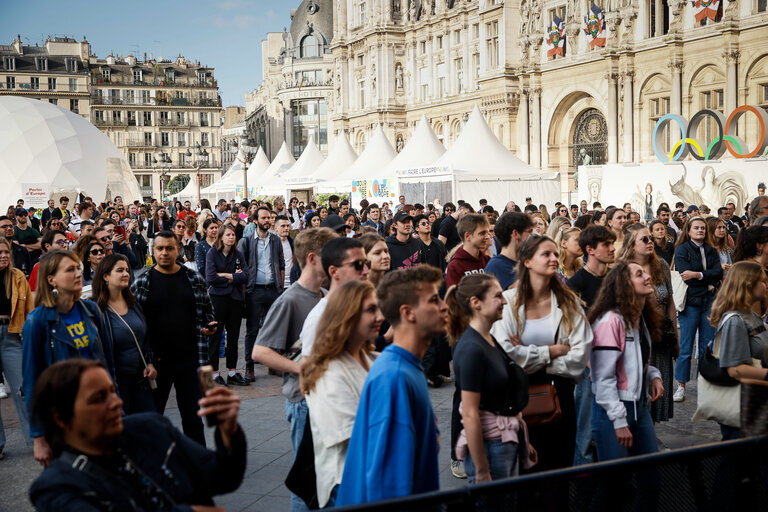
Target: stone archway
<point>591,135</point>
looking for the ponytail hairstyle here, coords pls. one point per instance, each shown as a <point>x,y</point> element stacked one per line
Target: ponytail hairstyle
<point>457,299</point>
<point>567,301</point>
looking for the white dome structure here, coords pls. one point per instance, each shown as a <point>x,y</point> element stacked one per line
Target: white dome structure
<point>41,143</point>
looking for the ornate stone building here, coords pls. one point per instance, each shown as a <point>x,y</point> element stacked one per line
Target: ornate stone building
<point>547,93</point>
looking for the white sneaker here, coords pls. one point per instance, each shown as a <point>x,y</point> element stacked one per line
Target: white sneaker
<point>457,469</point>
<point>3,391</point>
<point>679,395</point>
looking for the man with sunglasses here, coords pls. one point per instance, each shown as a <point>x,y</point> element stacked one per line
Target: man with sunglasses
<point>433,251</point>
<point>115,243</point>
<point>404,250</point>
<point>449,234</point>
<point>448,209</point>
<point>53,239</point>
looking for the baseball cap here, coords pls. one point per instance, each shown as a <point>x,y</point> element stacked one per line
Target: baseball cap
<point>691,209</point>
<point>21,212</point>
<point>402,217</point>
<point>334,222</point>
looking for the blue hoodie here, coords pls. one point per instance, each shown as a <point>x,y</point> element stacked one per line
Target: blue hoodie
<point>394,443</point>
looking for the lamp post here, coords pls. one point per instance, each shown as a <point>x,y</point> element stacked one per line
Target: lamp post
<point>163,162</point>
<point>249,148</point>
<point>202,161</point>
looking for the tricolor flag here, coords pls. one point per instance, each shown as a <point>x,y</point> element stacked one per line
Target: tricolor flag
<point>595,26</point>
<point>705,9</point>
<point>555,39</point>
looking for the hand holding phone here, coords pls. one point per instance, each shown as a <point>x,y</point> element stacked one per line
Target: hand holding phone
<point>205,376</point>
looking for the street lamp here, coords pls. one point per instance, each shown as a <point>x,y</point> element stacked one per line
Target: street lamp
<point>202,161</point>
<point>163,162</point>
<point>249,148</point>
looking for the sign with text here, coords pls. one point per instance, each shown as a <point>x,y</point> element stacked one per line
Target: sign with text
<point>35,194</point>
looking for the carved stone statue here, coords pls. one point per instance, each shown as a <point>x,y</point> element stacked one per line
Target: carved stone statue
<point>399,143</point>
<point>373,82</point>
<point>585,158</point>
<point>398,76</point>
<point>426,8</point>
<point>412,11</point>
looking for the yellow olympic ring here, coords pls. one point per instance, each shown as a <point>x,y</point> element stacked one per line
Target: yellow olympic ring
<point>688,141</point>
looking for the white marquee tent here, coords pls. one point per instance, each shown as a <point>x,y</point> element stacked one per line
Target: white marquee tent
<point>268,183</point>
<point>256,168</point>
<point>59,153</point>
<point>225,187</point>
<point>341,157</point>
<point>299,176</point>
<point>421,150</point>
<point>478,166</point>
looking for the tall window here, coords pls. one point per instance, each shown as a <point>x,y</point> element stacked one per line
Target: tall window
<point>147,118</point>
<point>71,64</point>
<point>130,96</point>
<point>310,46</point>
<point>147,162</point>
<point>106,74</point>
<point>74,106</point>
<point>361,93</point>
<point>137,75</point>
<point>9,63</point>
<point>203,118</point>
<point>34,83</point>
<point>73,84</point>
<point>170,75</point>
<point>165,139</point>
<point>51,84</point>
<point>475,66</point>
<point>10,82</point>
<point>204,141</point>
<point>711,100</point>
<point>145,97</point>
<point>98,115</point>
<point>148,139</point>
<point>492,43</point>
<point>659,107</point>
<point>459,67</point>
<point>53,101</point>
<point>361,14</point>
<point>131,118</point>
<point>42,64</point>
<point>439,42</point>
<point>762,5</point>
<point>132,160</point>
<point>182,139</point>
<point>310,119</point>
<point>658,18</point>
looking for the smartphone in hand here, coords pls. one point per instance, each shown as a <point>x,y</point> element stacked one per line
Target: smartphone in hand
<point>205,376</point>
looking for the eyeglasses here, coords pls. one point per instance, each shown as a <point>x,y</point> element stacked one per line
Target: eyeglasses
<point>7,226</point>
<point>358,265</point>
<point>645,239</point>
<point>61,243</point>
<point>96,252</point>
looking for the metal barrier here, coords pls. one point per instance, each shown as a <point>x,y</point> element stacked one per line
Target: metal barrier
<point>722,477</point>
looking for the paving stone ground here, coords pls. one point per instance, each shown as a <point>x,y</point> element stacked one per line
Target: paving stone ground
<point>262,415</point>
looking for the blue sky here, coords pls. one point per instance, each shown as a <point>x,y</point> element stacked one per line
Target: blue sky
<point>225,34</point>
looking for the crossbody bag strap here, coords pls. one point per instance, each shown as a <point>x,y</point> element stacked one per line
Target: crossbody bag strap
<point>141,354</point>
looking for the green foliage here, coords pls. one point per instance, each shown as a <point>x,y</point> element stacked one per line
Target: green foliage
<point>178,183</point>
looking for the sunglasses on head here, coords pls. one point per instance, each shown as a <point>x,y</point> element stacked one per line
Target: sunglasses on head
<point>358,265</point>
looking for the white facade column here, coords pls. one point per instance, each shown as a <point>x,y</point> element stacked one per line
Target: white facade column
<point>731,80</point>
<point>536,149</point>
<point>627,145</point>
<point>522,127</point>
<point>613,118</point>
<point>676,97</point>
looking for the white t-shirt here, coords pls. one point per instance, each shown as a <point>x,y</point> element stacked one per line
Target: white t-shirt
<point>309,331</point>
<point>288,257</point>
<point>538,332</point>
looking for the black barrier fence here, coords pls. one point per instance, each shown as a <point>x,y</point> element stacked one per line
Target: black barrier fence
<point>722,477</point>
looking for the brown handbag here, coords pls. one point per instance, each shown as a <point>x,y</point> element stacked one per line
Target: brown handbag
<point>543,405</point>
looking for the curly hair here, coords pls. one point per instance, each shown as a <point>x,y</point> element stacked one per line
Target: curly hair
<point>736,291</point>
<point>617,293</point>
<point>334,329</point>
<point>567,301</point>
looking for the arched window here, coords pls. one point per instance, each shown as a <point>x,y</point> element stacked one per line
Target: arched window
<point>310,47</point>
<point>439,132</point>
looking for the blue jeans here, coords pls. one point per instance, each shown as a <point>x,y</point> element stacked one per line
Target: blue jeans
<point>296,414</point>
<point>693,319</point>
<point>584,453</point>
<point>10,355</point>
<point>502,460</point>
<point>641,427</point>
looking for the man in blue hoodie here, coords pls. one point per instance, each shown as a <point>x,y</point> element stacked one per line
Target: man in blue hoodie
<point>394,443</point>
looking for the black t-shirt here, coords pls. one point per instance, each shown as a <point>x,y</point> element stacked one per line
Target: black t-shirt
<point>434,253</point>
<point>170,314</point>
<point>481,368</point>
<point>585,285</point>
<point>436,227</point>
<point>448,230</point>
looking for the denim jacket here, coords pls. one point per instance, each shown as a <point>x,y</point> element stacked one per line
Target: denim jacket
<point>44,342</point>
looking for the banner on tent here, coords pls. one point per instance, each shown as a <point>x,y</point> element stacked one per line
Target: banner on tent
<point>424,171</point>
<point>300,180</point>
<point>35,194</point>
<point>372,189</point>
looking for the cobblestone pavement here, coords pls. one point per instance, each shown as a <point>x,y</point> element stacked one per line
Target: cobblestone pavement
<point>262,415</point>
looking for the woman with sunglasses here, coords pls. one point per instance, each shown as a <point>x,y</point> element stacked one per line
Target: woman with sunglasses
<point>639,248</point>
<point>92,256</point>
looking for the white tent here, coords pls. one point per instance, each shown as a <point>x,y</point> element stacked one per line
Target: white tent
<point>421,150</point>
<point>57,152</point>
<point>226,186</point>
<point>268,183</point>
<point>256,168</point>
<point>341,157</point>
<point>299,176</point>
<point>478,166</point>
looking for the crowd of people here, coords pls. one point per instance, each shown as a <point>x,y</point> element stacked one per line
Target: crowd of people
<point>570,336</point>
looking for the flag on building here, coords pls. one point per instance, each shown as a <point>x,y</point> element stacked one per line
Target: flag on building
<point>595,27</point>
<point>555,39</point>
<point>705,9</point>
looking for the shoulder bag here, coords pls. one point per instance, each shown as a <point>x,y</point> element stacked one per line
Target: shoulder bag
<point>543,403</point>
<point>152,382</point>
<point>709,367</point>
<point>679,288</point>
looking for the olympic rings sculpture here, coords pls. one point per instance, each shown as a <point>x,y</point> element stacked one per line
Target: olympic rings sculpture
<point>726,139</point>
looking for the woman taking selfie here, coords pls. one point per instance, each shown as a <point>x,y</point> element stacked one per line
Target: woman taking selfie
<point>493,388</point>
<point>545,331</point>
<point>125,322</point>
<point>226,274</point>
<point>699,266</point>
<point>15,304</point>
<point>60,327</point>
<point>332,378</point>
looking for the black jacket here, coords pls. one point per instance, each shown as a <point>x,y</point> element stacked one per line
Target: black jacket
<point>688,257</point>
<point>189,473</point>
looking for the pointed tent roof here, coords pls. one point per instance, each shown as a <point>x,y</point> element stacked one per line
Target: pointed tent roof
<point>257,167</point>
<point>268,183</point>
<point>228,182</point>
<point>341,157</point>
<point>423,149</point>
<point>377,155</point>
<point>309,161</point>
<point>477,139</point>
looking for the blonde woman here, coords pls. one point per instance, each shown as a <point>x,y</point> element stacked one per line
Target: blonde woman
<point>569,253</point>
<point>332,378</point>
<point>638,247</point>
<point>736,314</point>
<point>558,224</point>
<point>545,331</point>
<point>539,224</point>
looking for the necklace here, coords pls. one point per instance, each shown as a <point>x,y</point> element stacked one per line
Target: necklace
<point>586,267</point>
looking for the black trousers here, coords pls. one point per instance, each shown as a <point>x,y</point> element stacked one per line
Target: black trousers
<point>135,392</point>
<point>257,303</point>
<point>183,376</point>
<point>229,314</point>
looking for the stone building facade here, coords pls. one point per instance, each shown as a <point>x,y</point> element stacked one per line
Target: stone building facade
<point>390,61</point>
